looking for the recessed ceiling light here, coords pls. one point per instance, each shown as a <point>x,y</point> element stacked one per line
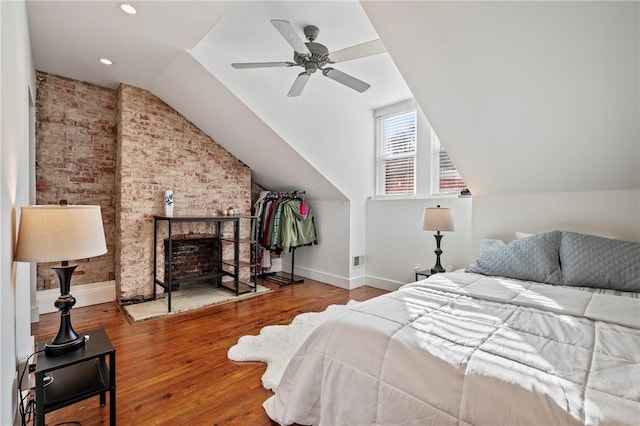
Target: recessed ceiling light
<point>105,61</point>
<point>127,8</point>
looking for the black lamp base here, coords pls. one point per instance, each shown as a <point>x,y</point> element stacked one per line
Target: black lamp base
<point>67,340</point>
<point>55,349</point>
<point>437,269</point>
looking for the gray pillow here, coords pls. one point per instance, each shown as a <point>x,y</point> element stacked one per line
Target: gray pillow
<point>591,261</point>
<point>533,258</point>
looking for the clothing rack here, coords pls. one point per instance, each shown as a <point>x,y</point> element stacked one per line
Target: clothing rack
<point>284,278</point>
<point>289,194</point>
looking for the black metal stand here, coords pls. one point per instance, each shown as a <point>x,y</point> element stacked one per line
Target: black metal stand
<point>282,278</point>
<point>67,340</point>
<point>234,264</point>
<point>438,267</point>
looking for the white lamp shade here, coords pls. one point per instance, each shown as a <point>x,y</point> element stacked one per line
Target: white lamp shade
<point>438,219</point>
<point>59,233</point>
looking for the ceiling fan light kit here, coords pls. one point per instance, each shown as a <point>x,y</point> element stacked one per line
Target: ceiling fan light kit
<point>314,56</point>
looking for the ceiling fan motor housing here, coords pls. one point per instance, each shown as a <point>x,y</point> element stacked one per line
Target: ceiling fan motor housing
<point>319,55</point>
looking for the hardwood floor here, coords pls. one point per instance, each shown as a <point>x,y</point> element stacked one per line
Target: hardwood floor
<point>174,370</point>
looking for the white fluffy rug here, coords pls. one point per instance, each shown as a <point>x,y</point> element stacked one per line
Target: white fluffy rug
<point>276,344</point>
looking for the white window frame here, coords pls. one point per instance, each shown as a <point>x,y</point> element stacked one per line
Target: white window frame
<point>436,170</point>
<point>383,155</point>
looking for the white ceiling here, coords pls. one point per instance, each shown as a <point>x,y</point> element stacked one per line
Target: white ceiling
<point>68,37</point>
<point>148,51</point>
<point>525,96</point>
<point>245,34</point>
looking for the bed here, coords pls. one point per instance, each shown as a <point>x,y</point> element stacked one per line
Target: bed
<point>533,332</point>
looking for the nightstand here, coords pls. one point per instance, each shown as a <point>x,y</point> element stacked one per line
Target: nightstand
<point>77,375</point>
<point>425,272</point>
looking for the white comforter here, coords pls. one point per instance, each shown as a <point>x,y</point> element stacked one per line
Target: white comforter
<point>468,349</point>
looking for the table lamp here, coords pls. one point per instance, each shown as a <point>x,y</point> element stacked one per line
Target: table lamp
<point>438,219</point>
<point>61,233</point>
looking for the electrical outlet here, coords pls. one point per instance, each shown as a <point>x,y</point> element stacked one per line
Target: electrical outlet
<point>417,267</point>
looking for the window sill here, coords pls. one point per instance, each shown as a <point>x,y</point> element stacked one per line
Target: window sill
<point>415,197</point>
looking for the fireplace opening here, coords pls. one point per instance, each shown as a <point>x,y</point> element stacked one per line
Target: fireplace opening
<point>192,256</point>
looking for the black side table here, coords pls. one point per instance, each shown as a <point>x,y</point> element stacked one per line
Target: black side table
<point>425,272</point>
<point>77,375</point>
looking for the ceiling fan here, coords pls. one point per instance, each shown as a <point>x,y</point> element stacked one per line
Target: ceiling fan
<point>314,56</point>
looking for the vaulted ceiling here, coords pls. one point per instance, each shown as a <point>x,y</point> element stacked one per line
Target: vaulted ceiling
<point>525,96</point>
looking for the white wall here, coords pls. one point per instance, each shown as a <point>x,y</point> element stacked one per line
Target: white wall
<point>525,96</point>
<point>396,241</point>
<point>225,117</point>
<point>329,126</point>
<point>17,80</point>
<point>358,239</point>
<point>328,261</point>
<point>614,214</point>
<point>335,139</point>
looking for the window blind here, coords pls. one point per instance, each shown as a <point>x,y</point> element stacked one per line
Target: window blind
<point>446,178</point>
<point>396,152</point>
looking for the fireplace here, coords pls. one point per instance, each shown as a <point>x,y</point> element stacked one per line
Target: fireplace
<point>193,256</point>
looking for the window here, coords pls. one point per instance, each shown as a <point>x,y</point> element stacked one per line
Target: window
<point>396,150</point>
<point>402,156</point>
<point>446,179</point>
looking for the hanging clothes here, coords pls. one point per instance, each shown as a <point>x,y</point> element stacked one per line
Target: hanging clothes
<point>284,221</point>
<point>296,229</point>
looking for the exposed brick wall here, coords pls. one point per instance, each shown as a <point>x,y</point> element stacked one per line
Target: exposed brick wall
<point>158,149</point>
<point>75,160</point>
<point>121,149</point>
<point>256,189</point>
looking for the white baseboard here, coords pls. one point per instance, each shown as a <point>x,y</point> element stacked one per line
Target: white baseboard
<point>334,280</point>
<point>383,283</point>
<point>86,295</point>
<point>359,281</point>
<point>35,311</point>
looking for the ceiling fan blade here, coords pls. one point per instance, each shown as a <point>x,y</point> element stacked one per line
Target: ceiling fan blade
<point>261,64</point>
<point>298,85</point>
<point>346,79</point>
<point>290,35</point>
<point>361,50</point>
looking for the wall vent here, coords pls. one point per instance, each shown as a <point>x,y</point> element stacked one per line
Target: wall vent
<point>358,261</point>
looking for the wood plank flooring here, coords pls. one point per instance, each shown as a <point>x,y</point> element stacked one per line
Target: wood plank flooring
<point>174,370</point>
